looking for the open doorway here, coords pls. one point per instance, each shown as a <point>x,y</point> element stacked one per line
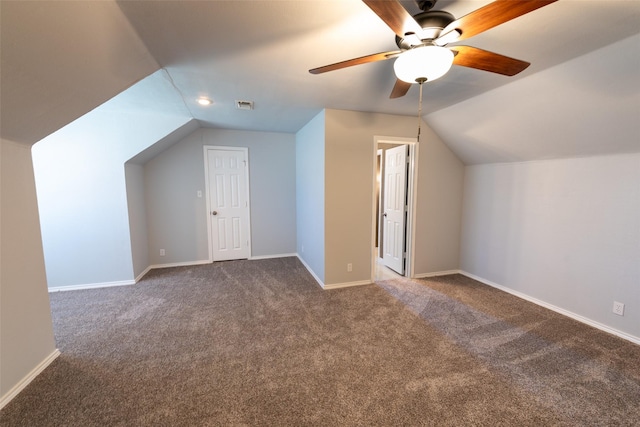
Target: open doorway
<point>394,174</point>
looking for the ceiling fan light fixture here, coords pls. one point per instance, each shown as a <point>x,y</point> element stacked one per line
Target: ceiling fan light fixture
<point>425,62</point>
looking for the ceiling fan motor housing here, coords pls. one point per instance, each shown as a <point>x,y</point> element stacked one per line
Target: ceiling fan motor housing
<point>432,24</point>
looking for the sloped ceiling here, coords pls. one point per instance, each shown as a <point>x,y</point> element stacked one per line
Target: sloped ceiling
<point>60,60</point>
<point>262,50</point>
<point>584,107</point>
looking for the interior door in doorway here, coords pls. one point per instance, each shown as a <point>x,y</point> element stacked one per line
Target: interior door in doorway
<point>228,192</point>
<point>395,202</point>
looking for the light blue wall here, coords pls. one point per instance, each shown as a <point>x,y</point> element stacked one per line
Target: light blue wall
<point>177,217</point>
<point>310,187</point>
<point>81,188</point>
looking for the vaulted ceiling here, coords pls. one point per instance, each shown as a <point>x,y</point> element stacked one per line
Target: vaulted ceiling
<point>61,59</point>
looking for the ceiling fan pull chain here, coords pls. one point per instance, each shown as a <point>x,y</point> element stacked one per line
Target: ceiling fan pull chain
<point>420,82</point>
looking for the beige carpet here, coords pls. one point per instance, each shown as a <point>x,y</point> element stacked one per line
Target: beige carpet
<point>258,343</point>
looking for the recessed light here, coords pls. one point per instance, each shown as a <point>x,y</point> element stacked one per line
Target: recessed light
<point>204,101</point>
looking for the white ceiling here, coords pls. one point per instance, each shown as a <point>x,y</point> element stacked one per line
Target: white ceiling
<point>60,60</point>
<point>588,106</point>
<point>262,51</point>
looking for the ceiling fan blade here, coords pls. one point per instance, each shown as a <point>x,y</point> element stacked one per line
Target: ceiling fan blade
<point>473,57</point>
<point>356,61</point>
<point>489,16</point>
<point>395,16</point>
<point>400,89</point>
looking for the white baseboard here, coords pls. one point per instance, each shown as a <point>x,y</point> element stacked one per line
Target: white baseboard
<point>333,285</point>
<point>271,256</point>
<point>320,283</point>
<point>148,269</point>
<point>8,396</point>
<point>579,318</point>
<point>92,286</point>
<point>347,284</point>
<point>436,274</point>
<point>141,275</point>
<point>179,264</point>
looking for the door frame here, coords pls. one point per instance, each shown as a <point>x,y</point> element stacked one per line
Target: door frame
<point>412,181</point>
<point>206,148</point>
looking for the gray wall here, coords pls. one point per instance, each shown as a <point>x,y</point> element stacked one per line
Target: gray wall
<point>177,218</point>
<point>45,87</point>
<point>349,195</point>
<point>310,197</point>
<point>26,333</point>
<point>439,206</point>
<point>565,232</point>
<point>134,176</point>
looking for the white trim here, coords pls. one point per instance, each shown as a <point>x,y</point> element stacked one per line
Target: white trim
<point>378,211</point>
<point>92,286</point>
<point>579,318</point>
<point>272,256</point>
<point>437,273</point>
<point>141,275</point>
<point>412,207</point>
<point>320,283</point>
<point>207,201</point>
<point>126,282</point>
<point>245,150</point>
<point>346,284</point>
<point>180,264</point>
<point>16,389</point>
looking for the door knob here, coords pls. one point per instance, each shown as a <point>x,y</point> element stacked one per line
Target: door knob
<point>384,214</point>
<point>214,213</point>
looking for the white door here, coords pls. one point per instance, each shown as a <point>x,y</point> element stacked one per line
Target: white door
<point>228,192</point>
<point>394,214</point>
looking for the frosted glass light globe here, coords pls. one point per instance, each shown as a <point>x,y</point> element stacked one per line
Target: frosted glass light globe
<point>425,62</point>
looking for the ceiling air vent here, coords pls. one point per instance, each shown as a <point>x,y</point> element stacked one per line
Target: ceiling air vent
<point>244,105</point>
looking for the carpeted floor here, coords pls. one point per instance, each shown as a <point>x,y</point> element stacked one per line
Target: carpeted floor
<point>259,343</point>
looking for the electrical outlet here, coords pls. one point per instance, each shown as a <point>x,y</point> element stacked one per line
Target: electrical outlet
<point>349,267</point>
<point>162,252</point>
<point>302,248</point>
<point>618,308</point>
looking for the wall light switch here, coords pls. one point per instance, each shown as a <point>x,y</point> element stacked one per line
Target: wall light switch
<point>199,194</point>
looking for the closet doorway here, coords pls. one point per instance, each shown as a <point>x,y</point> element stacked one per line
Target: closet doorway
<point>395,173</point>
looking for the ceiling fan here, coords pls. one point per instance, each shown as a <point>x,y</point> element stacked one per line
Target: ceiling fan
<point>422,39</point>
